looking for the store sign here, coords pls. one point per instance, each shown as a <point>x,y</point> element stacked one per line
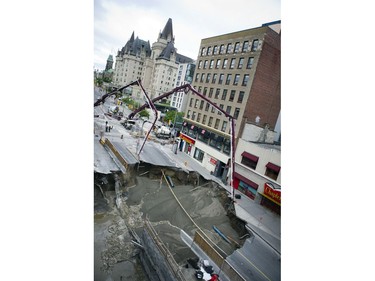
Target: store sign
<point>186,138</point>
<point>213,161</point>
<point>272,193</point>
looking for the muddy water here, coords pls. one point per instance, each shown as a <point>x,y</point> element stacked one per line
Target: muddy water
<point>203,204</point>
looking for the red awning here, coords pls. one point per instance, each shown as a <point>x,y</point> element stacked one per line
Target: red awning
<point>273,167</point>
<point>250,156</point>
<point>187,139</point>
<point>246,180</point>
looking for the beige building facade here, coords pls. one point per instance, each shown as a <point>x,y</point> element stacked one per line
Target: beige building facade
<point>155,65</point>
<point>240,73</point>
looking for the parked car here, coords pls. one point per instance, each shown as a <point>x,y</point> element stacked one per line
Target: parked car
<point>128,124</point>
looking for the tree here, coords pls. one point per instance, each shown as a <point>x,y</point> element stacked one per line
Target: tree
<point>144,113</point>
<point>99,81</point>
<point>171,116</point>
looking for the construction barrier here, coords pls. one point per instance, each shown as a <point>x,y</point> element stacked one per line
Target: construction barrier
<point>218,259</point>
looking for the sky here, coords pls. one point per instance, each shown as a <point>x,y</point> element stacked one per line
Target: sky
<point>193,20</point>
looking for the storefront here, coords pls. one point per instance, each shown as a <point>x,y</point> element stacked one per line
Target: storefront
<point>246,186</point>
<point>271,198</point>
<point>186,143</point>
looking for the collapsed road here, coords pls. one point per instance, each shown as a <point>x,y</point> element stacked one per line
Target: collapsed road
<point>132,199</point>
<point>123,201</point>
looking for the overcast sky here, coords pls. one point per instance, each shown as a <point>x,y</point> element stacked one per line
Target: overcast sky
<point>193,20</point>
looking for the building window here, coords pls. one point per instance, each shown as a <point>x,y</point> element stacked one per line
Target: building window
<point>217,123</point>
<point>250,63</point>
<point>202,77</point>
<point>224,126</point>
<point>224,95</point>
<point>213,108</point>
<point>229,109</point>
<point>204,118</point>
<point>245,80</point>
<point>245,46</point>
<point>211,92</point>
<point>229,48</point>
<point>211,64</point>
<point>255,44</point>
<point>240,97</point>
<point>214,77</point>
<point>188,114</point>
<point>232,63</point>
<point>191,102</point>
<point>217,93</point>
<point>236,79</point>
<point>249,160</point>
<point>215,49</point>
<point>232,94</point>
<point>196,103</point>
<point>216,141</point>
<point>229,77</point>
<point>272,171</point>
<point>208,77</point>
<point>201,105</point>
<point>236,113</point>
<point>222,107</point>
<point>203,51</point>
<point>237,47</point>
<point>218,63</point>
<point>205,91</point>
<point>222,48</point>
<point>240,63</point>
<point>193,116</point>
<point>199,89</point>
<point>205,64</point>
<point>197,77</point>
<point>199,117</point>
<point>198,154</point>
<point>209,51</point>
<point>221,78</point>
<point>207,106</point>
<point>210,121</point>
<point>200,64</point>
<point>225,61</point>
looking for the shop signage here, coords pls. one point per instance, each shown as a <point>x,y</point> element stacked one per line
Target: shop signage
<point>272,193</point>
<point>186,138</point>
<point>213,161</point>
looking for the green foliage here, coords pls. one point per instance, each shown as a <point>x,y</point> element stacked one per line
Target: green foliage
<point>99,81</point>
<point>171,115</point>
<point>144,113</point>
<point>107,79</point>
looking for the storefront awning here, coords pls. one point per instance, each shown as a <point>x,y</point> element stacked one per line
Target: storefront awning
<point>272,194</point>
<point>250,156</point>
<point>269,198</point>
<point>246,180</point>
<point>273,167</point>
<point>186,138</point>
